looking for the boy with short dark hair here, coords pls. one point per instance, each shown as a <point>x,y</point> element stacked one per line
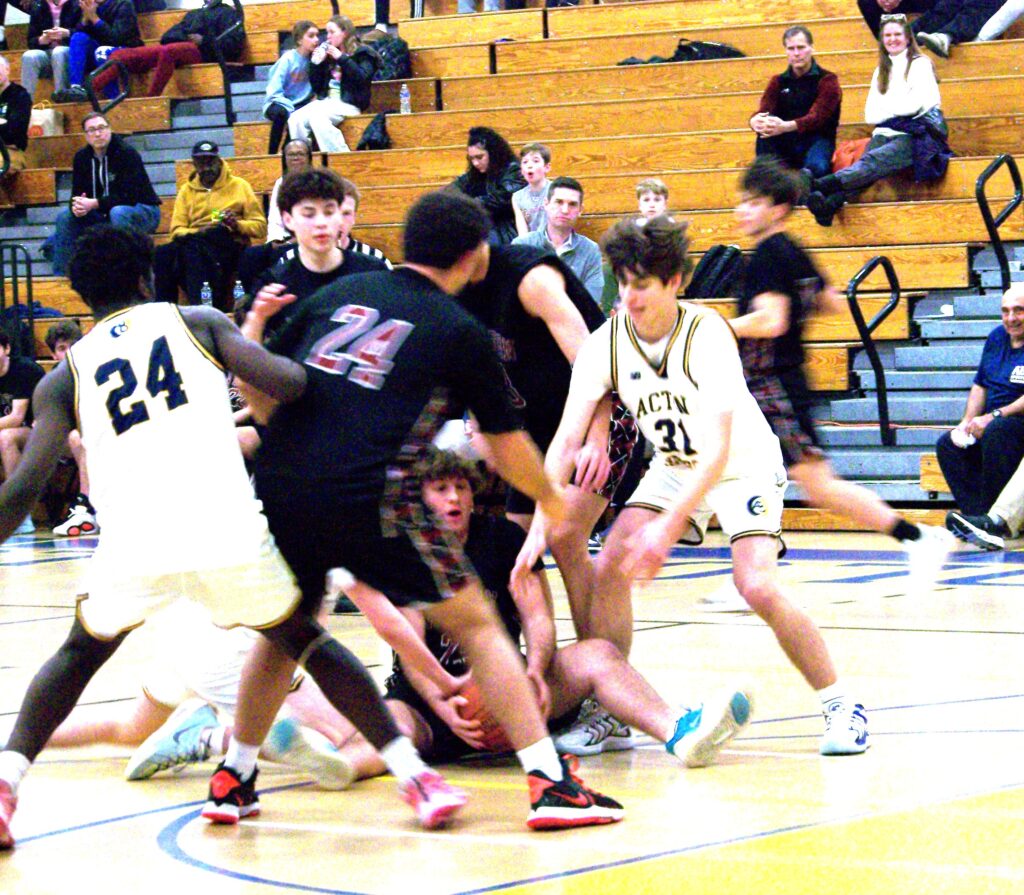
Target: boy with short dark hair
<point>781,288</point>
<point>528,203</point>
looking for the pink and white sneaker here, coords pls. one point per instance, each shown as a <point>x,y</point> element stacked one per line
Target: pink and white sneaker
<point>433,799</point>
<point>8,802</point>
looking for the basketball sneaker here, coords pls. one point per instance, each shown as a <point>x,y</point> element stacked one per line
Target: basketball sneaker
<point>846,729</point>
<point>230,799</point>
<point>982,531</point>
<point>8,802</point>
<point>926,557</point>
<point>569,802</point>
<point>433,799</point>
<point>701,732</point>
<point>595,731</point>
<point>289,743</point>
<point>179,741</point>
<point>80,520</point>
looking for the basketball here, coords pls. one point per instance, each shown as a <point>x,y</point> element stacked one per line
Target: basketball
<point>493,736</point>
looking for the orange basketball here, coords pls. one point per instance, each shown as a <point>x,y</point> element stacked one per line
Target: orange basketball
<point>493,736</point>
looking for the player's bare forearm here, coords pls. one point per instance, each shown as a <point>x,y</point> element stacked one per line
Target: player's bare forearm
<point>519,462</point>
<point>768,319</point>
<point>533,600</point>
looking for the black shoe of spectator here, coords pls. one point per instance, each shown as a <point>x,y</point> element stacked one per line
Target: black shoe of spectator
<point>344,606</point>
<point>74,94</point>
<point>827,185</point>
<point>824,208</point>
<point>982,531</point>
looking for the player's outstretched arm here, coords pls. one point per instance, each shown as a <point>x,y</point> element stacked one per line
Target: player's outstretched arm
<point>53,403</point>
<point>542,294</point>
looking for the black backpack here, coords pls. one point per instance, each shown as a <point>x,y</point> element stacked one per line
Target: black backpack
<point>395,61</point>
<point>376,134</point>
<point>703,50</point>
<point>719,274</point>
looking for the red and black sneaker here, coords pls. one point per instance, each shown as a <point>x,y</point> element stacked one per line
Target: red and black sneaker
<point>230,799</point>
<point>569,802</point>
<point>8,802</point>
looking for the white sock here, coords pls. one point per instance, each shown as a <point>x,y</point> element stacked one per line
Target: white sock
<point>831,693</point>
<point>381,26</point>
<point>241,758</point>
<point>217,739</point>
<point>402,759</point>
<point>541,756</point>
<point>13,767</point>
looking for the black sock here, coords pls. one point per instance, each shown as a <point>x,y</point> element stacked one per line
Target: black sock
<point>905,531</point>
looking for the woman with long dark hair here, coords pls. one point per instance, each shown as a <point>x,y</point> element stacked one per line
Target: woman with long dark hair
<point>492,176</point>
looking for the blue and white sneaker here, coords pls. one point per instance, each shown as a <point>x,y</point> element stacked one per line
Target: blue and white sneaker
<point>291,744</point>
<point>846,729</point>
<point>183,739</point>
<point>701,732</point>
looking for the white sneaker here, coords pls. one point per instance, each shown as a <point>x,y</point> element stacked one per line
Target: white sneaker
<point>846,729</point>
<point>78,522</point>
<point>595,731</point>
<point>724,599</point>
<point>701,732</point>
<point>178,741</point>
<point>301,747</point>
<point>926,557</point>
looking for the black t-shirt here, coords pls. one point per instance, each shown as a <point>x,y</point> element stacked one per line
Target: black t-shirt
<point>779,265</point>
<point>302,282</point>
<point>492,547</point>
<point>389,358</point>
<point>19,382</point>
<point>538,372</point>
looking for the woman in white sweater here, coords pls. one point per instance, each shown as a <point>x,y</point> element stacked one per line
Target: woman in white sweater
<point>903,85</point>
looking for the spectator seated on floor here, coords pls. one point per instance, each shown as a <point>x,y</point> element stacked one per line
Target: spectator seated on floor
<point>288,87</point>
<point>15,110</point>
<point>910,131</point>
<point>216,215</point>
<point>980,455</point>
<point>105,26</point>
<point>798,116</point>
<point>492,177</point>
<point>190,42</point>
<point>341,71</point>
<point>109,184</point>
<point>49,32</point>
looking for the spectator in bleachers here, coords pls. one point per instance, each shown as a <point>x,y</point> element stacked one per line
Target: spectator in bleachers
<point>528,203</point>
<point>581,254</point>
<point>105,26</point>
<point>349,207</point>
<point>18,379</point>
<point>1004,519</point>
<point>1002,19</point>
<point>49,32</point>
<point>952,22</point>
<point>651,197</point>
<point>492,177</point>
<point>288,86</point>
<point>189,42</point>
<point>15,110</point>
<point>873,10</point>
<point>109,184</point>
<point>979,456</point>
<point>341,70</point>
<point>798,116</point>
<point>903,104</point>
<point>216,214</point>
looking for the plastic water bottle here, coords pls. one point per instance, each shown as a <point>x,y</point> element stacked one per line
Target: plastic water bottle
<point>404,100</point>
<point>206,294</point>
<point>238,296</point>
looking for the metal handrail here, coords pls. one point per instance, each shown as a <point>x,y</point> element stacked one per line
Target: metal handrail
<point>866,329</point>
<point>992,224</point>
<point>124,86</point>
<point>218,51</point>
<point>9,254</point>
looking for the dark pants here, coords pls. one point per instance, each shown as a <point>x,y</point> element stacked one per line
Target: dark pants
<point>278,116</point>
<point>811,151</point>
<point>960,19</point>
<point>978,473</point>
<point>872,12</point>
<point>209,256</point>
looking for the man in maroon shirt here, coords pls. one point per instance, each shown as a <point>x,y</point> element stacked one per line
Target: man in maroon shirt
<point>799,112</point>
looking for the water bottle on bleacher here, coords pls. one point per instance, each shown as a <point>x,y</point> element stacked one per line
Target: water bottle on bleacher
<point>206,295</point>
<point>404,100</point>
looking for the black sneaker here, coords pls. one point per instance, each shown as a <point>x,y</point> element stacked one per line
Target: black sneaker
<point>230,799</point>
<point>982,531</point>
<point>73,94</point>
<point>569,802</point>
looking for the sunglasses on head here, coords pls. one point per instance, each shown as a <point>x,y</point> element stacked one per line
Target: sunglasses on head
<point>893,17</point>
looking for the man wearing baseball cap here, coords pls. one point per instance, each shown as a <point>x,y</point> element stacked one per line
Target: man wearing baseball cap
<point>216,215</point>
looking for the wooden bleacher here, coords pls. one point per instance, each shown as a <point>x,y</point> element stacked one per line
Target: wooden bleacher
<point>932,478</point>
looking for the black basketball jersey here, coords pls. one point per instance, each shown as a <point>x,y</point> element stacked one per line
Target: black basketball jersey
<point>538,372</point>
<point>389,358</point>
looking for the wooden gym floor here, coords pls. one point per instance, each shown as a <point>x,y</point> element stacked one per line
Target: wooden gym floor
<point>936,805</point>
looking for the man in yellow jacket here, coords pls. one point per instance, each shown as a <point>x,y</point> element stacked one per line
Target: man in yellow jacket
<point>216,215</point>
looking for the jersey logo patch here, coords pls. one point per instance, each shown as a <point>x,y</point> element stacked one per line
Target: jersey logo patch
<point>756,507</point>
<point>118,329</point>
<point>635,374</point>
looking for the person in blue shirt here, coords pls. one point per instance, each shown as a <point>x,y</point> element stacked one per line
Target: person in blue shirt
<point>288,86</point>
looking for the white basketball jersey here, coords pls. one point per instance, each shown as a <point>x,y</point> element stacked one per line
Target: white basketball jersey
<point>698,376</point>
<point>166,474</point>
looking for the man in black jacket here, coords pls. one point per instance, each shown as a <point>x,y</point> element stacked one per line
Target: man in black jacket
<point>189,42</point>
<point>108,183</point>
<point>106,26</point>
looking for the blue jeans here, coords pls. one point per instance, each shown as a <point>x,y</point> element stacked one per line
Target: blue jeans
<point>82,59</point>
<point>811,151</point>
<point>144,218</point>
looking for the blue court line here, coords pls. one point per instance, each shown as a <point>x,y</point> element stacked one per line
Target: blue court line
<point>30,621</point>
